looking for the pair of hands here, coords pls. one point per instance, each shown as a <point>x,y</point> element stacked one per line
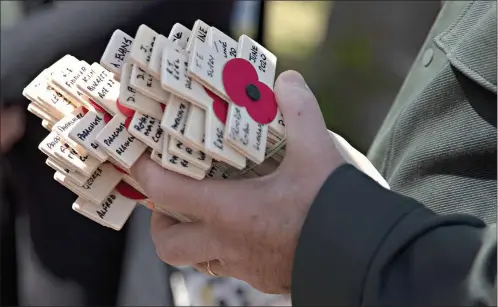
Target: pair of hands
<point>248,228</point>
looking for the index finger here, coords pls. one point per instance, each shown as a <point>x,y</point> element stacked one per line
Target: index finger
<point>201,199</point>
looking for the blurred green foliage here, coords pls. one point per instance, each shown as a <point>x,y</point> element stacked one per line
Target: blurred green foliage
<point>296,32</point>
<point>354,55</point>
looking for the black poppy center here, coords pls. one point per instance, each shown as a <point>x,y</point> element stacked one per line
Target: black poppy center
<point>253,92</point>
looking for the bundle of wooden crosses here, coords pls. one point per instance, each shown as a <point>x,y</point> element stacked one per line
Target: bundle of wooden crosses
<point>199,101</point>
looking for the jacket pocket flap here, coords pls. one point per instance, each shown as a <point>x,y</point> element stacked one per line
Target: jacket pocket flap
<point>470,43</point>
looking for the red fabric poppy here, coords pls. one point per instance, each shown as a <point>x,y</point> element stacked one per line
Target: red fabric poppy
<point>107,117</point>
<point>220,106</point>
<point>129,192</point>
<point>120,169</point>
<point>243,87</point>
<point>124,110</point>
<point>96,106</point>
<point>127,112</point>
<point>163,107</point>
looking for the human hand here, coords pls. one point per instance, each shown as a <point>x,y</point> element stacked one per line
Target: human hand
<point>12,122</point>
<point>247,228</point>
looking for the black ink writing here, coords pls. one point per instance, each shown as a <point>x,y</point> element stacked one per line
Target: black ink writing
<point>90,181</point>
<point>245,139</point>
<point>157,136</point>
<point>69,83</point>
<point>173,68</point>
<point>234,132</point>
<point>177,36</point>
<point>115,134</point>
<point>179,116</point>
<point>122,51</point>
<point>198,60</point>
<point>97,81</point>
<point>126,144</point>
<point>259,134</point>
<point>210,70</point>
<point>53,143</point>
<point>86,132</point>
<point>202,34</point>
<point>106,205</point>
<point>174,160</point>
<point>219,138</point>
<point>262,63</point>
<point>70,122</point>
<point>253,54</point>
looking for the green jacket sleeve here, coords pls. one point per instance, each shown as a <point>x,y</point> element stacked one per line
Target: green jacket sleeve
<point>364,245</point>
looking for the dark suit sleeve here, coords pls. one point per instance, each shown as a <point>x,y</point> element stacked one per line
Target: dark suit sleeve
<point>364,245</point>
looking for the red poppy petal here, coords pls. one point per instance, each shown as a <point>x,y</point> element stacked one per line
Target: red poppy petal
<point>127,122</point>
<point>220,106</point>
<point>84,110</point>
<point>163,107</point>
<point>124,110</point>
<point>237,74</point>
<point>120,169</point>
<point>129,192</point>
<point>107,117</point>
<point>96,106</point>
<point>265,109</point>
<point>210,94</point>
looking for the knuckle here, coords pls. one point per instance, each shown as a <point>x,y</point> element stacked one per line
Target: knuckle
<point>160,251</point>
<point>169,254</point>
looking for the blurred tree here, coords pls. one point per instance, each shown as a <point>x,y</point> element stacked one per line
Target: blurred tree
<point>368,50</point>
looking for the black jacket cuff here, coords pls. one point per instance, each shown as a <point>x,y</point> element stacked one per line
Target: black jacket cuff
<point>350,217</point>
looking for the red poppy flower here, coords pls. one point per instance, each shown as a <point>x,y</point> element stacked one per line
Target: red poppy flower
<point>125,189</point>
<point>96,106</point>
<point>107,117</point>
<point>220,106</point>
<point>243,87</point>
<point>120,169</point>
<point>124,110</point>
<point>127,112</point>
<point>129,192</point>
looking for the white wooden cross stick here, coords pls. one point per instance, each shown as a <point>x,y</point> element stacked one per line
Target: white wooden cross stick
<point>116,52</point>
<point>65,126</point>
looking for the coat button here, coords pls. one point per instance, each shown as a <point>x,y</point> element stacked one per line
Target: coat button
<point>428,56</point>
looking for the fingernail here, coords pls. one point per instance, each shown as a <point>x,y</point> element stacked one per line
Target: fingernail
<point>294,78</point>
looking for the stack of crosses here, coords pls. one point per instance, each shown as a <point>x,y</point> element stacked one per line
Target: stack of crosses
<point>199,102</point>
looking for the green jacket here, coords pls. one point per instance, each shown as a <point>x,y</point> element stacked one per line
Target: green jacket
<point>438,142</point>
<point>362,245</point>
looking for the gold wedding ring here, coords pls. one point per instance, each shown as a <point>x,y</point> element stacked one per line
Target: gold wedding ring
<point>208,268</point>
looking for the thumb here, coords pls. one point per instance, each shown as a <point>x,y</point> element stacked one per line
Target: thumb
<point>304,123</point>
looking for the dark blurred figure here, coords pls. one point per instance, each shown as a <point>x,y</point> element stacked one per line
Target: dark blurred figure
<point>76,252</point>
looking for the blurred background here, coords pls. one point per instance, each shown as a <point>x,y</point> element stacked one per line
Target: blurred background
<point>353,54</point>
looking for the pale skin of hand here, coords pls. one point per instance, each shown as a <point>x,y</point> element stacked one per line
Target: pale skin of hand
<point>12,127</point>
<point>248,228</point>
